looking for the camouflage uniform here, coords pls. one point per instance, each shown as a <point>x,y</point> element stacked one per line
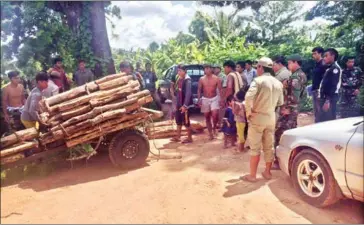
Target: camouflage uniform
<point>292,94</point>
<point>351,80</point>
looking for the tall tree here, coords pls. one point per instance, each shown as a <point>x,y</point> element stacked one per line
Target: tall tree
<point>269,22</point>
<point>237,4</point>
<point>73,30</point>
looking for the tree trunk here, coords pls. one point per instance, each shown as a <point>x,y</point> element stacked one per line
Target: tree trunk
<point>22,135</point>
<point>19,148</point>
<point>100,40</point>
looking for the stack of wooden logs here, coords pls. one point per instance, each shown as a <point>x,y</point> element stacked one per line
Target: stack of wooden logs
<point>168,129</point>
<point>13,145</point>
<point>90,111</point>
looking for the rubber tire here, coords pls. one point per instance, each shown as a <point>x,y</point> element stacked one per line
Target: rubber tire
<point>119,140</point>
<point>331,193</point>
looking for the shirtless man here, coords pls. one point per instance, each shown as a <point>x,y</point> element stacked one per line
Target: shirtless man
<point>13,94</point>
<point>210,102</point>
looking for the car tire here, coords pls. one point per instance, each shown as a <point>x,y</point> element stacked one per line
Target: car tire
<point>317,186</point>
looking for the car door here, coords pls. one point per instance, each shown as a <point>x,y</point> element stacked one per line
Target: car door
<point>354,164</point>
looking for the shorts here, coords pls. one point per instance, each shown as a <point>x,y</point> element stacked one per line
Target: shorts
<point>240,127</point>
<point>210,104</point>
<point>182,118</point>
<point>29,124</point>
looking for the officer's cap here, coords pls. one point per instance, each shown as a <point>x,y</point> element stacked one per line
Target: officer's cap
<point>294,57</point>
<point>265,62</point>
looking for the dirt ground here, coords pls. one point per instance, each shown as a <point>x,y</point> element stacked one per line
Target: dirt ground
<point>200,187</point>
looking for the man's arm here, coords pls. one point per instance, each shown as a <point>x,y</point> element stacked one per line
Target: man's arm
<point>4,103</point>
<point>249,98</point>
<point>188,93</point>
<point>199,90</point>
<point>281,98</point>
<point>219,84</point>
<point>230,86</point>
<point>23,95</point>
<point>334,81</point>
<point>34,105</point>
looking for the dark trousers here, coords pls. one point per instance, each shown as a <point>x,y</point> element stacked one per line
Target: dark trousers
<point>331,113</point>
<point>316,105</point>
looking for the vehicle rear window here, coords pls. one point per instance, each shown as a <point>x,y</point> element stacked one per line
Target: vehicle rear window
<point>195,72</point>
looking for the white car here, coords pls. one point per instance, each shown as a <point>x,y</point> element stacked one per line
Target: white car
<point>325,160</point>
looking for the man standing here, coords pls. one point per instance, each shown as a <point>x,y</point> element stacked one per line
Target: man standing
<point>83,75</point>
<point>280,70</point>
<point>52,88</point>
<point>250,72</point>
<point>264,95</point>
<point>234,80</point>
<point>150,79</point>
<point>317,74</point>
<point>210,101</point>
<point>29,115</point>
<point>184,101</point>
<point>223,79</point>
<point>13,95</point>
<point>63,82</point>
<point>330,86</point>
<point>352,78</point>
<point>240,66</point>
<point>125,67</point>
<point>293,89</point>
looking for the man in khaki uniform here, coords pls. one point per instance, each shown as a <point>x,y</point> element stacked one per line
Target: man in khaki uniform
<point>279,68</point>
<point>264,95</point>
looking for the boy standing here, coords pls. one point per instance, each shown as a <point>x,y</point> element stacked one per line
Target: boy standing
<point>29,115</point>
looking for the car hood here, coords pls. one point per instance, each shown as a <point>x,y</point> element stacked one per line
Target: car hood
<point>326,128</point>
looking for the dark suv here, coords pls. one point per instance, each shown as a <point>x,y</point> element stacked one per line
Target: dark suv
<point>195,71</point>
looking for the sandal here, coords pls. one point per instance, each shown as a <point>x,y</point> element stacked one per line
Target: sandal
<point>248,178</point>
<point>175,139</point>
<point>186,141</point>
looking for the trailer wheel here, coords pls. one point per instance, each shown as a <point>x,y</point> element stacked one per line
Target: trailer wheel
<point>129,149</point>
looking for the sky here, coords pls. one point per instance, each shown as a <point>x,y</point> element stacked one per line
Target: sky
<point>146,21</point>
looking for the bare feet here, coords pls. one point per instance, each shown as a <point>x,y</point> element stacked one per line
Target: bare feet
<point>187,140</point>
<point>267,175</point>
<point>248,178</point>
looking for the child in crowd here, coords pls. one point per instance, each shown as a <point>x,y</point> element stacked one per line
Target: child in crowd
<point>238,108</point>
<point>229,124</point>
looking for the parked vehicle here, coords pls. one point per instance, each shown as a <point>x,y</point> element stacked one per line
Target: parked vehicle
<point>325,160</point>
<point>195,71</point>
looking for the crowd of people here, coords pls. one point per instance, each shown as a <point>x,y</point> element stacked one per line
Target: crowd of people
<point>258,105</point>
<point>251,106</point>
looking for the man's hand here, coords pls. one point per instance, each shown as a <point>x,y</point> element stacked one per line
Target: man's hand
<point>199,103</point>
<point>326,106</point>
<point>139,75</point>
<point>222,103</point>
<point>356,92</point>
<point>285,83</point>
<point>285,111</point>
<point>183,109</point>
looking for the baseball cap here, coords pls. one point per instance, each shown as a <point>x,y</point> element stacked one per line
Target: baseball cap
<point>294,57</point>
<point>265,62</point>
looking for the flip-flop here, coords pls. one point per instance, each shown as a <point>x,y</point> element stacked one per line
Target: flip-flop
<point>247,178</point>
<point>267,177</point>
<point>175,140</point>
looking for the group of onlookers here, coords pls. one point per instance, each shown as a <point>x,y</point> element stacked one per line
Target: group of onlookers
<point>262,103</point>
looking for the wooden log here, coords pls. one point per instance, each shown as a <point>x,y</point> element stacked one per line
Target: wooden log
<point>104,131</point>
<point>24,135</point>
<point>96,111</point>
<point>11,159</point>
<point>91,86</point>
<point>155,114</point>
<point>117,97</point>
<point>19,148</point>
<point>139,94</point>
<point>108,123</point>
<point>99,94</point>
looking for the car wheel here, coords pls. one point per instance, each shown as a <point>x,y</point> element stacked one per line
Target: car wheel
<point>313,179</point>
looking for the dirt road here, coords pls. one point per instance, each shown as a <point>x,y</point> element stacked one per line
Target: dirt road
<point>201,187</point>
